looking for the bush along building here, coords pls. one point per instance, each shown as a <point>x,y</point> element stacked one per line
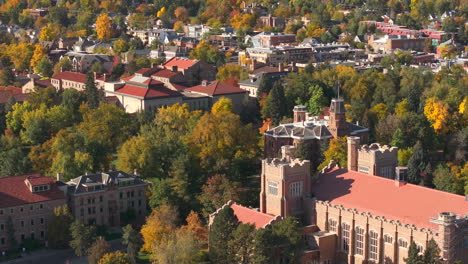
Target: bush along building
<point>107,198</point>
<point>366,213</point>
<point>309,128</point>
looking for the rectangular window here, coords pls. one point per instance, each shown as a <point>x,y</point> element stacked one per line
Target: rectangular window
<point>345,237</point>
<point>332,225</point>
<point>22,223</point>
<point>2,227</point>
<point>363,169</point>
<point>359,245</point>
<point>402,243</point>
<point>41,206</point>
<point>295,189</point>
<point>42,234</point>
<point>1,212</point>
<point>3,241</point>
<point>32,222</point>
<point>42,220</point>
<point>272,188</point>
<point>373,245</point>
<point>386,172</point>
<point>388,239</point>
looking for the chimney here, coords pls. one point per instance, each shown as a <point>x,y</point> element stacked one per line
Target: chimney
<point>104,77</point>
<point>204,83</point>
<point>175,68</point>
<point>95,75</point>
<point>61,69</point>
<point>59,176</point>
<point>401,176</point>
<point>287,152</point>
<point>280,67</point>
<point>135,172</point>
<point>353,153</point>
<point>300,112</point>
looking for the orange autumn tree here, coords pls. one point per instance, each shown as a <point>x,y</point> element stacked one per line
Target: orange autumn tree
<point>194,224</point>
<point>103,27</point>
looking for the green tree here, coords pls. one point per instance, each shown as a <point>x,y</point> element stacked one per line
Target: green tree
<point>44,67</point>
<point>444,179</point>
<point>162,193</point>
<point>275,106</point>
<point>6,76</point>
<point>262,246</point>
<point>207,53</point>
<point>288,236</point>
<point>413,255</point>
<point>82,237</point>
<point>432,253</point>
<point>91,91</point>
<point>13,157</point>
<point>417,163</point>
<point>310,150</point>
<point>217,191</point>
<point>99,248</point>
<point>58,230</point>
<point>404,156</point>
<point>133,240</point>
<point>316,101</point>
<point>138,153</point>
<point>221,231</point>
<point>240,246</point>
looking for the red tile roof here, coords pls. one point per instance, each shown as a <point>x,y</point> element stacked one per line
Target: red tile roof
<point>251,216</point>
<point>13,90</point>
<point>142,92</point>
<point>216,88</point>
<point>71,76</point>
<point>165,74</point>
<point>43,83</point>
<point>36,179</point>
<point>410,204</point>
<point>14,192</point>
<point>5,95</point>
<point>181,63</point>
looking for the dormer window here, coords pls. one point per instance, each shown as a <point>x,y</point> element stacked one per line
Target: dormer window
<point>40,188</point>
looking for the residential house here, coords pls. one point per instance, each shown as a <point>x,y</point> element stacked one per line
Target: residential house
<point>82,61</point>
<point>193,70</point>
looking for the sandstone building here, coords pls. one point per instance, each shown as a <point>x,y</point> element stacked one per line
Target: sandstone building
<point>308,128</point>
<point>29,202</point>
<point>100,199</point>
<point>363,214</point>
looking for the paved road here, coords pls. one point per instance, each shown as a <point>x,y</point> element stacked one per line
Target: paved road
<point>64,256</point>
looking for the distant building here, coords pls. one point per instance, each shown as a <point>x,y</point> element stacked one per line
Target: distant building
<point>194,71</point>
<point>388,43</point>
<point>29,201</point>
<point>82,61</point>
<point>309,128</point>
<point>102,198</point>
<point>271,21</point>
<point>272,39</point>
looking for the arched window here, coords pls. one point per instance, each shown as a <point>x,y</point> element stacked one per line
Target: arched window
<point>373,245</point>
<point>388,239</point>
<point>345,236</point>
<point>402,243</point>
<point>420,247</point>
<point>359,245</point>
<point>332,225</point>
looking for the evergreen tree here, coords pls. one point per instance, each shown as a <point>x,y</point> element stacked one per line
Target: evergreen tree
<point>275,106</point>
<point>132,239</point>
<point>262,246</point>
<point>240,246</point>
<point>310,150</point>
<point>82,237</point>
<point>98,250</point>
<point>221,231</point>
<point>44,67</point>
<point>6,76</point>
<point>416,164</point>
<point>58,230</point>
<point>413,255</point>
<point>91,91</point>
<point>287,235</point>
<point>432,253</point>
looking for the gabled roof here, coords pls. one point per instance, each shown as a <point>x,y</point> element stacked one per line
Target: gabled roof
<point>146,93</point>
<point>252,216</point>
<point>77,185</point>
<point>181,63</point>
<point>14,192</point>
<point>71,76</point>
<point>410,204</point>
<point>216,88</point>
<point>165,74</point>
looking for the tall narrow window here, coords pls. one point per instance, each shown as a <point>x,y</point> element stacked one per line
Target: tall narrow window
<point>373,245</point>
<point>272,188</point>
<point>345,230</point>
<point>296,189</point>
<point>359,246</point>
<point>332,225</point>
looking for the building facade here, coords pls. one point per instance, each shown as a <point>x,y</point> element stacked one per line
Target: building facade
<point>28,203</point>
<point>102,199</point>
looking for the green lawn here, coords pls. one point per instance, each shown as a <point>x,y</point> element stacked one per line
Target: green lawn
<point>143,258</point>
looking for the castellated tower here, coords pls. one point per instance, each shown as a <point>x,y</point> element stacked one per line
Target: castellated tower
<point>285,186</point>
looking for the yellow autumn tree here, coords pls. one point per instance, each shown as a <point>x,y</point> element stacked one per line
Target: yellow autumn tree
<point>161,12</point>
<point>39,53</point>
<point>48,33</point>
<point>463,110</point>
<point>402,108</point>
<point>437,112</point>
<point>103,27</point>
<point>160,223</point>
<point>380,111</point>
